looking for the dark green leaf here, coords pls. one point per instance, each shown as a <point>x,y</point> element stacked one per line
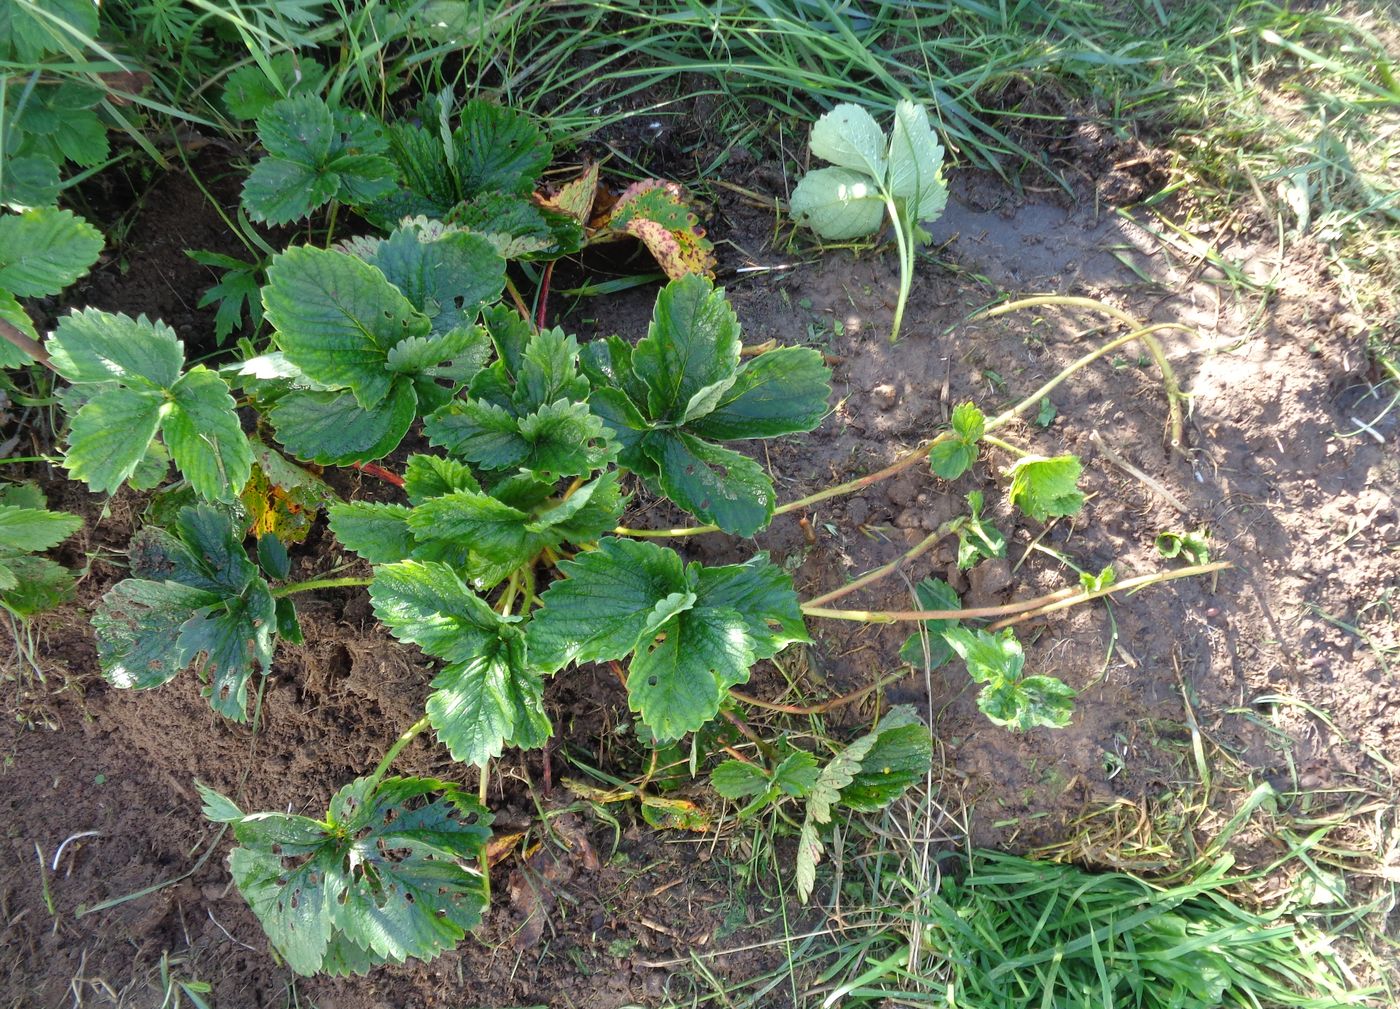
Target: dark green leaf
<point>677,681</point>
<point>784,391</point>
<point>228,643</point>
<point>690,355</point>
<point>248,91</point>
<point>272,556</point>
<point>762,593</point>
<point>929,648</point>
<point>447,276</point>
<point>138,630</point>
<point>377,532</point>
<point>497,150</point>
<point>549,371</point>
<point>428,476</point>
<point>900,758</point>
<point>714,484</point>
<point>735,779</point>
<point>331,428</point>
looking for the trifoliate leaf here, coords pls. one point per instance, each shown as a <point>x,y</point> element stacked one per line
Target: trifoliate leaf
<point>1007,697</point>
<point>988,656</point>
<point>548,371</point>
<point>43,251</point>
<point>315,156</point>
<point>977,539</point>
<point>838,204</point>
<point>781,392</point>
<point>487,696</point>
<point>1045,488</point>
<point>930,649</point>
<point>390,873</point>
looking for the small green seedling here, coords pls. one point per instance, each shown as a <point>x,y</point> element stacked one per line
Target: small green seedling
<point>1193,547</point>
<point>875,176</point>
<point>1009,698</point>
<point>951,457</point>
<point>792,777</point>
<point>977,539</point>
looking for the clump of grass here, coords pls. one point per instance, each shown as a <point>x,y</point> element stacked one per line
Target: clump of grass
<point>1020,932</point>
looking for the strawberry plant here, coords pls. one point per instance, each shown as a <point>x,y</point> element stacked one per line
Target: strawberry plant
<point>873,177</point>
<point>30,583</point>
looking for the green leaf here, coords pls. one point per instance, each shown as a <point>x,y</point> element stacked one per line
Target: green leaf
<point>487,696</point>
<point>784,391</point>
<point>677,681</point>
<point>494,529</point>
<point>1045,488</point>
<point>1047,413</point>
<point>315,156</point>
<point>951,457</point>
<point>337,318</point>
<point>916,163</point>
<point>447,276</point>
<point>248,91</point>
<point>1192,546</point>
<point>714,484</point>
<point>968,423</point>
<point>377,532</point>
<point>497,150</point>
<point>900,758</point>
<point>519,228</point>
<point>560,439</point>
<point>735,779</point>
<point>548,371</point>
<point>1028,703</point>
<point>838,204</point>
<point>93,346</point>
<point>110,435</point>
<point>330,427</point>
<point>39,585</point>
<point>849,137</point>
<point>988,656</point>
<point>12,312</point>
<point>762,593</point>
<point>424,355</point>
<point>29,530</point>
<point>1098,582</point>
<point>628,428</point>
<point>428,476</point>
<point>600,609</point>
<point>204,436</point>
<point>797,774</point>
<point>28,181</point>
<point>930,648</point>
<point>977,539</point>
<point>690,354</point>
<point>43,251</point>
<point>390,874</point>
<point>138,630</point>
<point>227,644</point>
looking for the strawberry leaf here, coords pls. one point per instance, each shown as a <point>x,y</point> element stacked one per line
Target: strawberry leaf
<point>1046,488</point>
<point>43,251</point>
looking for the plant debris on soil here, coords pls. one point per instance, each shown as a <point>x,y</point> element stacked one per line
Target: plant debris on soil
<point>1278,669</point>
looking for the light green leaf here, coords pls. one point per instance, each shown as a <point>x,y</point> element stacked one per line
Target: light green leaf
<point>988,656</point>
<point>1036,701</point>
<point>377,532</point>
<point>676,682</point>
<point>838,204</point>
<point>951,457</point>
<point>43,251</point>
<point>849,137</point>
<point>248,91</point>
<point>427,476</point>
<point>29,530</point>
<point>784,391</point>
<point>735,779</point>
<point>548,371</point>
<point>12,312</point>
<point>488,695</point>
<point>109,437</point>
<point>204,436</point>
<point>336,318</point>
<point>968,422</point>
<point>1045,488</point>
<point>96,346</point>
<point>424,354</point>
<point>916,162</point>
<point>690,354</point>
<point>600,609</point>
<point>494,530</point>
<point>797,774</point>
<point>714,484</point>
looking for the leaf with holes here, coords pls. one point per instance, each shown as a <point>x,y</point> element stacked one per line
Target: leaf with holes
<point>684,383</point>
<point>195,598</point>
<point>692,632</point>
<point>389,873</point>
<point>315,155</point>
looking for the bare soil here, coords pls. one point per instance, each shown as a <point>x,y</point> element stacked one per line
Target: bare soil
<point>1253,661</point>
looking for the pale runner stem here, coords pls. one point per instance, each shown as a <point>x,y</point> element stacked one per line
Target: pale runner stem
<point>903,243</point>
<point>917,550</point>
<point>914,456</point>
<point>408,736</point>
<point>1062,599</point>
<point>1005,446</point>
<point>1154,348</point>
<point>320,583</point>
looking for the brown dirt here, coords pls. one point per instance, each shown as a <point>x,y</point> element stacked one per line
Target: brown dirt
<point>1307,516</point>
